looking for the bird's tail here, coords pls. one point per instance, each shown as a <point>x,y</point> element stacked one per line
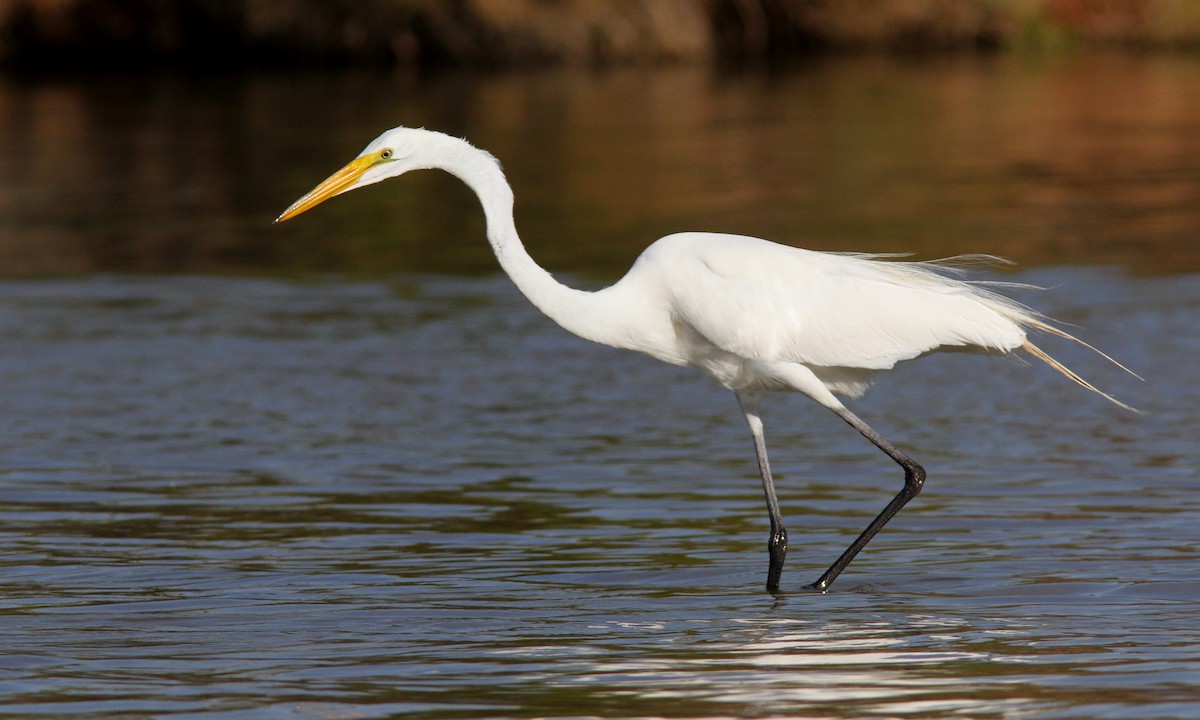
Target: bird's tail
<point>1040,354</point>
<point>936,273</point>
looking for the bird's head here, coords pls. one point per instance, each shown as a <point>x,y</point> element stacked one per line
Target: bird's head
<point>393,153</point>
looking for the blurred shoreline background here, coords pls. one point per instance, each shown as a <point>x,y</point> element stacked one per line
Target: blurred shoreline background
<point>430,34</point>
<point>145,136</point>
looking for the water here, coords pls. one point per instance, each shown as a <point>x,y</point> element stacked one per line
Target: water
<point>244,498</point>
<point>1088,160</point>
<point>249,488</point>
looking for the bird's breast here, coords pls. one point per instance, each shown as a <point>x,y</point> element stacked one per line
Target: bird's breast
<point>729,369</point>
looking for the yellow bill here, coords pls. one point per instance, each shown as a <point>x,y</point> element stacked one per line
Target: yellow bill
<point>335,184</point>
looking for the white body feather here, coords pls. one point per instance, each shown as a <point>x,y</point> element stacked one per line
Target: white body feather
<point>751,314</point>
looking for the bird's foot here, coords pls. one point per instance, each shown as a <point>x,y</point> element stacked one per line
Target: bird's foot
<point>817,587</point>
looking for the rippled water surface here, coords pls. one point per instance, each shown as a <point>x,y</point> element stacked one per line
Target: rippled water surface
<point>341,469</point>
<point>241,498</point>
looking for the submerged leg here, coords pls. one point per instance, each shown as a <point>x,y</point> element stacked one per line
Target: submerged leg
<point>777,545</point>
<point>914,478</point>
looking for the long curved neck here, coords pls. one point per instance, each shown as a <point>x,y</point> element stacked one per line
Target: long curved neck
<point>593,316</point>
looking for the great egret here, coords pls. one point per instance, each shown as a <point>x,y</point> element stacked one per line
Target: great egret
<point>753,315</point>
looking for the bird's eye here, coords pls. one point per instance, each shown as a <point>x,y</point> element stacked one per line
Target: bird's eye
<point>385,154</point>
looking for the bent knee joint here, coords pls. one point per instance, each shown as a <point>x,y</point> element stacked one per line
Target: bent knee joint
<point>914,478</point>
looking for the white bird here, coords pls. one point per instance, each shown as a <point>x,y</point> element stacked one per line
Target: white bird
<point>753,315</point>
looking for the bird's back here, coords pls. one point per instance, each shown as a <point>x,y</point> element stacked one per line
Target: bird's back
<point>735,297</point>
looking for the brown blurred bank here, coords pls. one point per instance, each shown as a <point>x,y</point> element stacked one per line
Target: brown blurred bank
<point>49,34</point>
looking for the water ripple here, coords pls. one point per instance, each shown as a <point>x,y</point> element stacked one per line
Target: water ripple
<point>236,499</point>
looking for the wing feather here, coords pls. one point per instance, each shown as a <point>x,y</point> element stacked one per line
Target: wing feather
<point>763,301</point>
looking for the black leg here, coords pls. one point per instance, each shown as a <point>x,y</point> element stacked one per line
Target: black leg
<point>914,479</point>
<point>777,544</point>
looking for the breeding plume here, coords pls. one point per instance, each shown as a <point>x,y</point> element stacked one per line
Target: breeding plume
<point>753,315</point>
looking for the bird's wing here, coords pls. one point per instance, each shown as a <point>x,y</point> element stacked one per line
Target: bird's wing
<point>760,300</point>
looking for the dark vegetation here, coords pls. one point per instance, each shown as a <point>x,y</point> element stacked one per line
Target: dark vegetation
<point>489,34</point>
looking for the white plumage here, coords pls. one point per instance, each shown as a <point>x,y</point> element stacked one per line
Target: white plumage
<point>841,316</point>
<point>753,315</point>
